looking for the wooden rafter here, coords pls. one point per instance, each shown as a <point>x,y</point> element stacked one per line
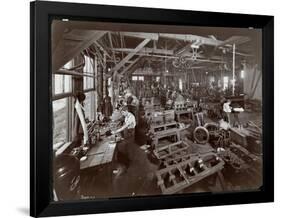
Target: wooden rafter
<point>152,36</point>
<point>189,37</point>
<point>145,50</point>
<point>111,45</point>
<point>130,65</point>
<point>130,55</point>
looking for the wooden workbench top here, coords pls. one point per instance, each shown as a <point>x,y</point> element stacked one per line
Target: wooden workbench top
<point>101,153</point>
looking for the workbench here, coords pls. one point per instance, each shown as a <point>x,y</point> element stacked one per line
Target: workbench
<point>100,154</point>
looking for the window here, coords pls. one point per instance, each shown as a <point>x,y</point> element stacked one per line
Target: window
<point>62,84</point>
<point>242,74</point>
<point>180,84</point>
<point>225,82</point>
<point>60,120</point>
<point>88,81</point>
<point>134,78</point>
<point>137,78</point>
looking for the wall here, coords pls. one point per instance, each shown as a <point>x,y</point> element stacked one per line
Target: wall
<point>253,82</point>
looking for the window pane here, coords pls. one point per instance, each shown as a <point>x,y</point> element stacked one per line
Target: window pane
<point>68,65</point>
<point>88,82</point>
<point>58,84</point>
<point>88,68</point>
<point>225,82</point>
<point>62,83</point>
<point>180,84</point>
<point>67,83</point>
<point>60,120</point>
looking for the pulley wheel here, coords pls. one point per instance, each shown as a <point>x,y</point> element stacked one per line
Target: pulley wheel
<point>201,135</point>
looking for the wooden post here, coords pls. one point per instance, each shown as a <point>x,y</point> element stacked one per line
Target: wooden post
<point>104,76</point>
<point>99,84</point>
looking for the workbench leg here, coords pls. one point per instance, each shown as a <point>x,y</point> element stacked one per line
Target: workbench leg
<point>221,180</point>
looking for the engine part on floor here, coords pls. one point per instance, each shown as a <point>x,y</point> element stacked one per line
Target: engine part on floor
<point>176,177</point>
<point>217,137</point>
<point>221,138</point>
<point>239,157</point>
<point>234,160</point>
<point>211,127</point>
<point>201,135</point>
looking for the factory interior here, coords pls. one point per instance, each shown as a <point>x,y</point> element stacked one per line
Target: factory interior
<point>143,110</point>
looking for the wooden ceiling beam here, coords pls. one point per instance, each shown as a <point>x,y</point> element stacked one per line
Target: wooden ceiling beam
<point>146,50</point>
<point>152,36</point>
<point>130,55</point>
<point>130,65</point>
<point>192,38</point>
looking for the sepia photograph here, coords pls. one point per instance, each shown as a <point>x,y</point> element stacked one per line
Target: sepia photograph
<point>146,109</point>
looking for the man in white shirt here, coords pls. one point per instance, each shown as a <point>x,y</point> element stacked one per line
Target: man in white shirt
<point>227,109</point>
<point>129,123</point>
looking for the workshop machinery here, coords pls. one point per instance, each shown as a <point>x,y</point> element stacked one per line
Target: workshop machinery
<point>239,158</point>
<point>166,141</point>
<point>184,115</point>
<point>176,176</point>
<point>161,117</point>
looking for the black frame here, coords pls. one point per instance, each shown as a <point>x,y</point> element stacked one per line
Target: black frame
<point>41,14</point>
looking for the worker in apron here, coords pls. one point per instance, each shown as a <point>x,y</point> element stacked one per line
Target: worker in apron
<point>80,132</point>
<point>125,148</point>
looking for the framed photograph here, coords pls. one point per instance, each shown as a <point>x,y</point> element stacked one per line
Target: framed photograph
<point>141,109</point>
